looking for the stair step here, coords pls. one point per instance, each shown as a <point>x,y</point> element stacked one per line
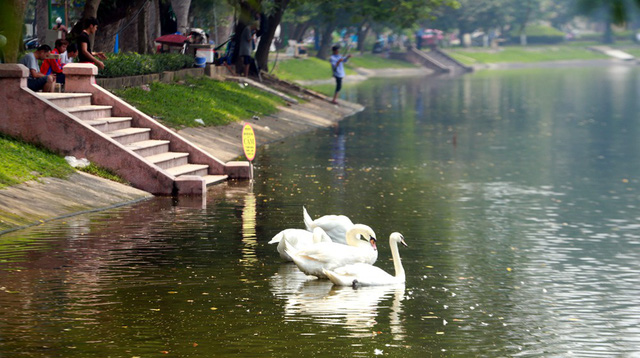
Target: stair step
<point>169,159</point>
<point>214,179</point>
<point>189,169</point>
<point>149,147</point>
<point>90,112</point>
<point>110,123</point>
<point>66,100</point>
<point>130,135</point>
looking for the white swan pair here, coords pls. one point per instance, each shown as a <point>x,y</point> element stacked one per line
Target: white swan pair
<point>330,255</point>
<point>299,239</point>
<point>336,226</point>
<point>350,265</point>
<point>362,274</point>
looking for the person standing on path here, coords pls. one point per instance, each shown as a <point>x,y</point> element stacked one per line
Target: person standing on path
<point>337,65</point>
<point>84,44</point>
<point>246,38</point>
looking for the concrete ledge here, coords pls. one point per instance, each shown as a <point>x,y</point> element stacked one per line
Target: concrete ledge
<point>239,170</point>
<point>80,69</point>
<point>139,80</point>
<point>190,185</point>
<point>13,70</point>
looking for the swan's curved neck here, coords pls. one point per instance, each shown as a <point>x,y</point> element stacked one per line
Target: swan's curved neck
<point>397,262</point>
<point>352,236</point>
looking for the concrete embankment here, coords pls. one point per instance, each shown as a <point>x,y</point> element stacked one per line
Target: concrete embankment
<point>49,198</point>
<point>35,202</point>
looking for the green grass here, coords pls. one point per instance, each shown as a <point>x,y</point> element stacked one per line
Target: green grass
<point>313,68</point>
<point>371,61</point>
<point>103,173</point>
<point>305,69</point>
<point>20,162</point>
<point>214,102</point>
<point>523,54</point>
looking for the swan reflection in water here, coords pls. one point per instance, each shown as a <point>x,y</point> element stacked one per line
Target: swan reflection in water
<point>355,309</point>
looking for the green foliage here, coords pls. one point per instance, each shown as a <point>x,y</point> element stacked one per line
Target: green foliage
<point>215,102</point>
<point>20,162</point>
<point>103,173</point>
<point>133,64</point>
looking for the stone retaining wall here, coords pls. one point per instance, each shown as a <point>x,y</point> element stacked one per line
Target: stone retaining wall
<point>167,77</point>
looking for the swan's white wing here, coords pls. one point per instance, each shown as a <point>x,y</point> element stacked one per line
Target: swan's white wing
<point>361,274</point>
<point>336,226</point>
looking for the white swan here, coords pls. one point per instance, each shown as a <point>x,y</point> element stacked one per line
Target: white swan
<point>330,255</point>
<point>336,226</point>
<point>369,275</point>
<point>298,239</point>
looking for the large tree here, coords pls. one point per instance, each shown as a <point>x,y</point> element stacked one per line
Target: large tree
<point>273,18</point>
<point>11,25</point>
<point>181,9</point>
<point>609,12</point>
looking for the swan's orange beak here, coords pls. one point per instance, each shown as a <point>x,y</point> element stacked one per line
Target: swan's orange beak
<point>373,243</point>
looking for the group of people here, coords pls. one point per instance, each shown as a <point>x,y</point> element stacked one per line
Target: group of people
<point>45,76</point>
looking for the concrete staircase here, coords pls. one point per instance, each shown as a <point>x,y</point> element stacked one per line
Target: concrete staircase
<point>137,139</point>
<point>90,122</point>
<point>437,61</point>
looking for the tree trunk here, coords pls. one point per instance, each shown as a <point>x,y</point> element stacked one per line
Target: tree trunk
<point>299,31</point>
<point>142,30</point>
<point>181,9</point>
<point>363,31</point>
<point>91,9</point>
<point>325,42</point>
<point>153,27</point>
<point>11,26</point>
<point>42,19</point>
<point>262,53</point>
<point>608,33</point>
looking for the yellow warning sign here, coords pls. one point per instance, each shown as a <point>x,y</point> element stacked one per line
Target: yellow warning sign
<point>249,142</point>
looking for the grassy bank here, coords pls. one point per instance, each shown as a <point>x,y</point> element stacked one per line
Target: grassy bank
<point>200,100</point>
<point>474,56</point>
<point>312,68</point>
<point>20,162</point>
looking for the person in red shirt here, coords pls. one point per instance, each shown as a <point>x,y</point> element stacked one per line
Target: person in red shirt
<point>53,66</point>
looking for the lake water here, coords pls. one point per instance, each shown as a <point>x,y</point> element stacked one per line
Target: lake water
<point>517,193</point>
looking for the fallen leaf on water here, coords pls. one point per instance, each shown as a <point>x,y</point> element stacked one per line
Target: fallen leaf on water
<point>214,308</point>
<point>155,309</point>
<point>509,269</point>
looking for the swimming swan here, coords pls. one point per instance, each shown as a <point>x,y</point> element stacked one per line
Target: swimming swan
<point>369,275</point>
<point>336,226</point>
<point>298,239</point>
<point>330,255</point>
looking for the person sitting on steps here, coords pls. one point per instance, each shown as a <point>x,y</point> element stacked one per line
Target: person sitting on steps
<point>37,80</point>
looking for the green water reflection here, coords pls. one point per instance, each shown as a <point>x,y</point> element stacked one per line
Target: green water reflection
<point>516,191</point>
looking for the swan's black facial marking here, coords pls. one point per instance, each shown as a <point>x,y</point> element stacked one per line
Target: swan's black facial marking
<point>372,240</point>
<point>402,241</point>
